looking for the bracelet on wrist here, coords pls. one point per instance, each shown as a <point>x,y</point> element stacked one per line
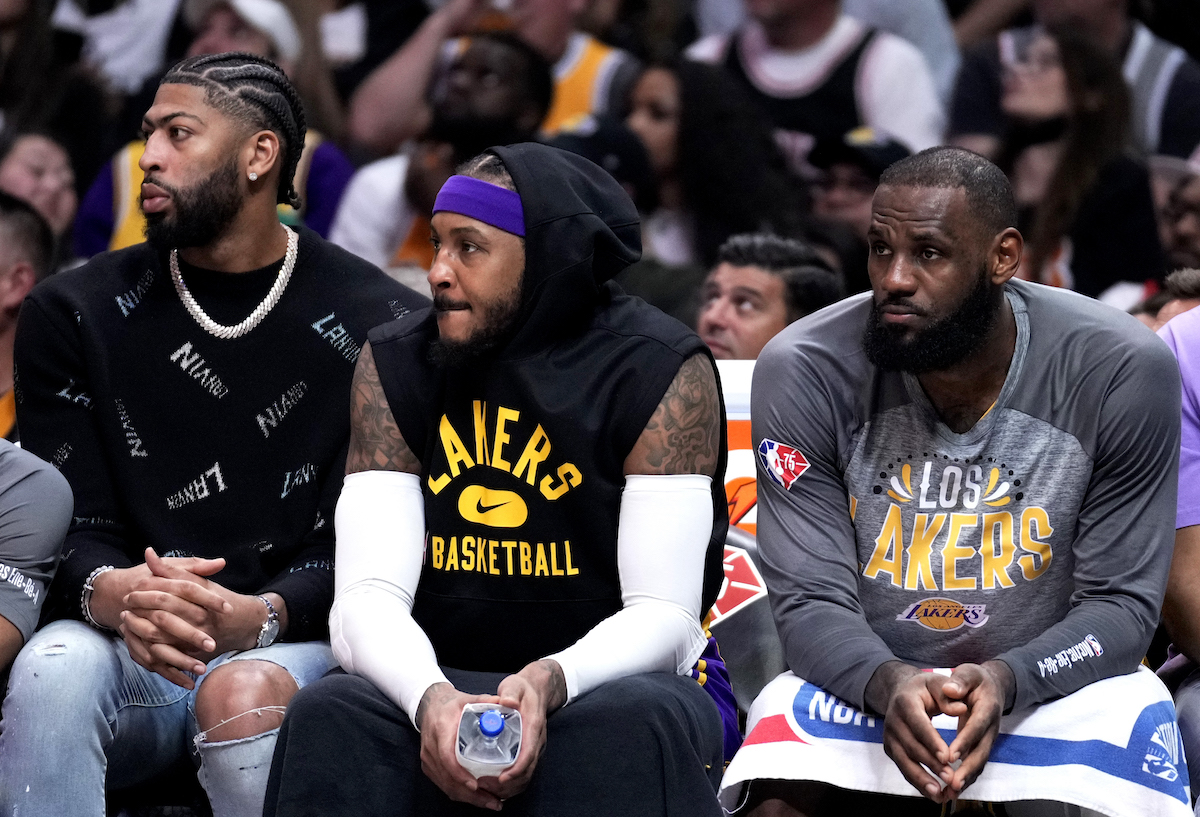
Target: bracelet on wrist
<point>85,598</point>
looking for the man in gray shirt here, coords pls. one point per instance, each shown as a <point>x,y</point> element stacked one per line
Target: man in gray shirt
<point>960,470</point>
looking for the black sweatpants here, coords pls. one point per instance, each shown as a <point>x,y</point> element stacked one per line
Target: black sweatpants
<point>644,745</point>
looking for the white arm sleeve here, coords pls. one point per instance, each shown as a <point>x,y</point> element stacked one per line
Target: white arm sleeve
<point>380,526</point>
<point>662,536</point>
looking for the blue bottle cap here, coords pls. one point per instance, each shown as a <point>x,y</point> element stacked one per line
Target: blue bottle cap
<point>491,723</point>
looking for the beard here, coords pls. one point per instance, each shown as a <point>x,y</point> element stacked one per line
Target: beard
<point>944,342</point>
<point>471,134</point>
<point>202,212</point>
<point>498,320</point>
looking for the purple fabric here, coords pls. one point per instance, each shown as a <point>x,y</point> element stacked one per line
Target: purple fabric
<point>94,220</point>
<point>716,682</point>
<point>328,176</point>
<point>1182,334</point>
<point>488,203</point>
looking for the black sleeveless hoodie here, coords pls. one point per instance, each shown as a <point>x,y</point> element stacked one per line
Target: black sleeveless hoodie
<point>522,454</point>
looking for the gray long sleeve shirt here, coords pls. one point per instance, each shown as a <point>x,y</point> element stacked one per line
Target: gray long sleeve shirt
<point>1042,536</point>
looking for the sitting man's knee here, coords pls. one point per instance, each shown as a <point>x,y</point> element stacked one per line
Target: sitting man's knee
<point>242,699</point>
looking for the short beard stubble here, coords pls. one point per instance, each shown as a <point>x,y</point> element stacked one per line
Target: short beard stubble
<point>941,344</point>
<point>202,212</point>
<point>499,319</point>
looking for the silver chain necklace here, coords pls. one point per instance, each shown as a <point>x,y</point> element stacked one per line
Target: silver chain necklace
<point>260,311</point>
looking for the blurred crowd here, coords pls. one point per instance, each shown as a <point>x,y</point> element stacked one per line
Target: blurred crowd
<point>767,122</point>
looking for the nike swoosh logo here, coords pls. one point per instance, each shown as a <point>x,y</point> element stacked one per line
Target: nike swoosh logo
<point>493,507</point>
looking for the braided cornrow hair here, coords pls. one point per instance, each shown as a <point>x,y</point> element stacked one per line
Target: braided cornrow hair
<point>256,91</point>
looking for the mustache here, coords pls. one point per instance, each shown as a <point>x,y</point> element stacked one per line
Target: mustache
<point>903,303</point>
<point>444,303</point>
<point>174,191</point>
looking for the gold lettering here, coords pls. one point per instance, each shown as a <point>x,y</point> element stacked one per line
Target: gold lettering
<point>571,571</point>
<point>504,416</point>
<point>918,575</point>
<point>952,552</point>
<point>439,547</point>
<point>526,559</point>
<point>508,546</point>
<point>535,453</point>
<point>480,561</point>
<point>554,570</point>
<point>492,543</point>
<point>481,447</point>
<point>889,548</point>
<point>452,554</point>
<point>1035,527</point>
<point>541,569</point>
<point>468,553</point>
<point>995,565</point>
<point>570,476</point>
<point>456,452</point>
<point>436,485</point>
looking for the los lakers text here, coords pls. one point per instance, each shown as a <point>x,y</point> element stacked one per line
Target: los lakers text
<point>968,544</point>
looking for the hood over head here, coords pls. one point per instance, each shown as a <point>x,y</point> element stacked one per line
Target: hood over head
<point>581,229</point>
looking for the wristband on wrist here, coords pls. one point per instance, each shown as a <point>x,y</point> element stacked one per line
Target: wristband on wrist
<point>270,627</point>
<point>85,598</point>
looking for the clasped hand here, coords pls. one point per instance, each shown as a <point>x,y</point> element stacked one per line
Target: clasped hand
<point>535,692</point>
<point>174,620</point>
<point>973,693</point>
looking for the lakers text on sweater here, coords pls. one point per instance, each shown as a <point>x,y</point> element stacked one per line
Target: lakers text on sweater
<point>201,372</point>
<point>275,412</point>
<point>978,548</point>
<point>501,557</point>
<point>133,297</point>
<point>198,488</point>
<point>338,337</point>
<point>493,443</point>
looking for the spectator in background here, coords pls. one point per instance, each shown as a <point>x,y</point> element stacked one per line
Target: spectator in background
<point>719,173</point>
<point>1183,295</point>
<point>1180,220</point>
<point>590,78</point>
<point>1163,80</point>
<point>761,284</point>
<point>45,87</point>
<point>35,168</point>
<point>110,217</point>
<point>496,92</point>
<point>850,168</point>
<point>1181,606</point>
<point>1147,310</point>
<point>924,23</point>
<point>26,254</point>
<point>1085,207</point>
<point>819,73</point>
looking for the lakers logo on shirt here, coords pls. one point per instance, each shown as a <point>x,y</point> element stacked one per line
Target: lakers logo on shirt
<point>945,614</point>
<point>959,528</point>
<point>487,506</point>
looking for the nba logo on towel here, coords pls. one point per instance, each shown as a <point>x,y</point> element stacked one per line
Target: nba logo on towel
<point>782,463</point>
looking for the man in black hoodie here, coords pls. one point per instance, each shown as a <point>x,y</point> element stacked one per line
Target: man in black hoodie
<point>556,450</point>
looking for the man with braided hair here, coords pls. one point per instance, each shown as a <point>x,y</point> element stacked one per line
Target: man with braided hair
<point>192,390</point>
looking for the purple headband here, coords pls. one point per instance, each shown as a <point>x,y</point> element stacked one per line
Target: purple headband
<point>480,200</point>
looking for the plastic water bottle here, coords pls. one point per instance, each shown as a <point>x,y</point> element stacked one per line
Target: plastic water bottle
<point>489,739</point>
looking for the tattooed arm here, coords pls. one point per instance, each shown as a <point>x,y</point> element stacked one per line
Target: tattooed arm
<point>684,433</point>
<point>375,440</point>
<point>665,522</point>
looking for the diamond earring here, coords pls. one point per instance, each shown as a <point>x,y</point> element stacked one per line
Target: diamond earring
<point>253,176</point>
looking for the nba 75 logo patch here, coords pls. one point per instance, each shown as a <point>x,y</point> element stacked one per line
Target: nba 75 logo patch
<point>783,463</point>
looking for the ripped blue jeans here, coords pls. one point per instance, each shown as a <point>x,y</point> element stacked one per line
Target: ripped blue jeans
<point>81,717</point>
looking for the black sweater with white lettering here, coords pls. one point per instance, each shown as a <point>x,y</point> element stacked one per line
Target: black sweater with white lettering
<point>174,439</point>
